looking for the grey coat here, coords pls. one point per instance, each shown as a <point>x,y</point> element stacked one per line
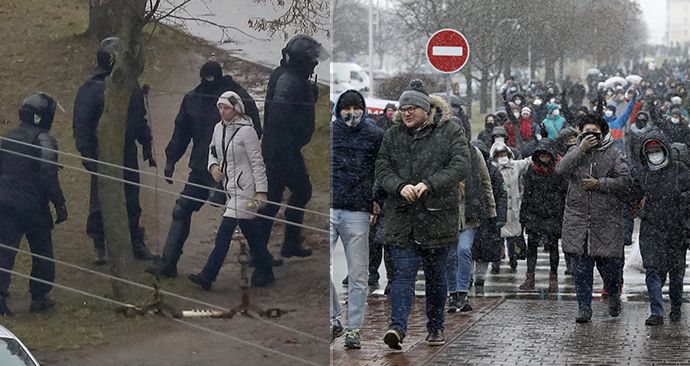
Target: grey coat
<point>596,214</point>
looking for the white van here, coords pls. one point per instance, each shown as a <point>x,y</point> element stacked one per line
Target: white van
<point>350,74</point>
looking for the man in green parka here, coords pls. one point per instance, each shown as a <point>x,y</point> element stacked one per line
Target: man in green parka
<point>422,160</point>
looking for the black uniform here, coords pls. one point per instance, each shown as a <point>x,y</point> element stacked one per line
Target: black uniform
<point>26,188</point>
<point>194,124</point>
<point>289,122</point>
<point>88,109</point>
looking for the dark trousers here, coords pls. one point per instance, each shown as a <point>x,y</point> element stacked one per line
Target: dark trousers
<point>224,238</point>
<point>286,170</point>
<point>40,242</point>
<point>406,261</point>
<point>550,242</point>
<point>182,216</point>
<point>94,223</point>
<point>379,251</point>
<point>655,280</point>
<point>583,273</point>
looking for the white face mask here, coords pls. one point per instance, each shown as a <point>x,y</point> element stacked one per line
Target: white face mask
<point>352,119</point>
<point>502,160</point>
<point>675,120</point>
<point>608,113</point>
<point>556,112</point>
<point>518,101</point>
<point>552,100</point>
<point>516,114</point>
<point>537,102</point>
<point>656,158</point>
<point>500,139</point>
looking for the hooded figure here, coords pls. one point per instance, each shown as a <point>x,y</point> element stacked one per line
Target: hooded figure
<point>386,120</point>
<point>665,184</point>
<point>675,127</point>
<point>553,123</point>
<point>641,126</point>
<point>541,213</point>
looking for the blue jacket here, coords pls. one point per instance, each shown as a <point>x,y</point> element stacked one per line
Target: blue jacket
<point>553,124</point>
<point>353,157</point>
<point>618,122</point>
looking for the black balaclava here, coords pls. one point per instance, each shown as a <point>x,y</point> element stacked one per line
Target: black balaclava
<point>211,70</point>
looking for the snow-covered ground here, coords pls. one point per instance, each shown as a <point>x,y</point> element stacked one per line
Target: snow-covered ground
<point>253,46</point>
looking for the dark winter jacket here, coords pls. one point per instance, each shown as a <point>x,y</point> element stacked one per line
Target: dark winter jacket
<point>595,214</point>
<point>487,243</point>
<point>634,136</point>
<point>289,117</point>
<point>198,116</point>
<point>543,198</point>
<point>353,159</point>
<point>88,109</point>
<point>435,154</point>
<point>665,214</point>
<point>28,185</point>
<point>485,134</point>
<point>676,132</point>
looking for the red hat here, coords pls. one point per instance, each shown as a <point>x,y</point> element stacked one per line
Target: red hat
<point>652,143</point>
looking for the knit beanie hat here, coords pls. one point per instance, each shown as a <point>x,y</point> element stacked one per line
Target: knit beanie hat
<point>231,99</point>
<point>415,94</point>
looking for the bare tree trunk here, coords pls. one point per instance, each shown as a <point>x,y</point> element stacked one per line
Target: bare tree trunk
<point>561,69</point>
<point>550,65</point>
<point>103,21</point>
<point>111,136</point>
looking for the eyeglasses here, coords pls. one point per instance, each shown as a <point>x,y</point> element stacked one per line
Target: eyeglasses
<point>411,109</point>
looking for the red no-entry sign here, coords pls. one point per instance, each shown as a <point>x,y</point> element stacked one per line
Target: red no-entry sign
<point>447,51</point>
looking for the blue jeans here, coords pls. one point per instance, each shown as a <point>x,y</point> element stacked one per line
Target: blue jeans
<point>406,261</point>
<point>610,270</point>
<point>459,264</point>
<point>655,282</point>
<point>353,228</point>
<point>336,312</point>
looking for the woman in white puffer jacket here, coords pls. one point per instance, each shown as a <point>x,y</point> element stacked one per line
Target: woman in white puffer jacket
<point>236,162</point>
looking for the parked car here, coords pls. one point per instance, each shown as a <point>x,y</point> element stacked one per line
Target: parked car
<point>13,352</point>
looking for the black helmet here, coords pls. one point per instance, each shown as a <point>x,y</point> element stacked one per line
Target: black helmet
<point>106,54</point>
<point>38,109</point>
<point>304,51</point>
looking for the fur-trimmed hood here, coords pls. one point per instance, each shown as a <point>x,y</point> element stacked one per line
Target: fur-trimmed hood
<point>439,114</point>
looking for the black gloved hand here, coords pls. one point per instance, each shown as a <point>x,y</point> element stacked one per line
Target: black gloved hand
<point>168,172</point>
<point>61,213</point>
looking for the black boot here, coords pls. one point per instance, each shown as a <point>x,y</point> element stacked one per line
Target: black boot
<point>463,303</point>
<point>40,304</point>
<point>292,245</point>
<point>139,249</point>
<point>584,316</point>
<point>263,278</point>
<point>201,280</point>
<point>179,231</point>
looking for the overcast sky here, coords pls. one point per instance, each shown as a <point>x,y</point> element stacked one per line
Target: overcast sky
<point>654,13</point>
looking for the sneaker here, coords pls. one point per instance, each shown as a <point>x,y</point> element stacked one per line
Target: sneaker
<point>352,339</point>
<point>393,338</point>
<point>41,304</point>
<point>584,316</point>
<point>4,309</point>
<point>463,302</point>
<point>435,338</point>
<point>654,320</point>
<point>615,305</point>
<point>200,280</point>
<point>337,329</point>
<point>453,302</point>
<point>675,314</point>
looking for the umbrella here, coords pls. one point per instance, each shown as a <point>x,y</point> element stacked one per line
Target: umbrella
<point>635,79</point>
<point>613,80</point>
<point>593,71</point>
